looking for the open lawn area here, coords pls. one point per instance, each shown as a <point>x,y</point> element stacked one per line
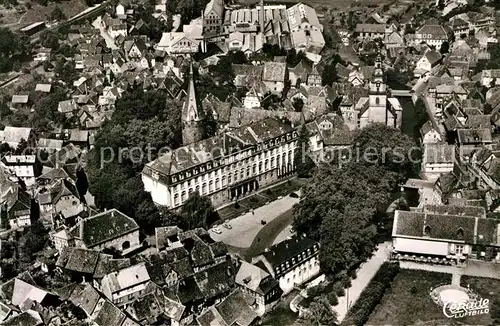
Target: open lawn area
<point>487,288</point>
<point>407,302</point>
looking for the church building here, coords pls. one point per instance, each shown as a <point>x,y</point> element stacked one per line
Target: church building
<point>377,107</point>
<point>192,115</point>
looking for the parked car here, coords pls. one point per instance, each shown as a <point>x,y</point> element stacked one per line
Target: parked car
<point>263,222</point>
<point>227,226</point>
<point>280,197</point>
<point>294,195</point>
<point>217,230</point>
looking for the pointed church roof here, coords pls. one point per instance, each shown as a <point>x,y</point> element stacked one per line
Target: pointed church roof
<point>190,109</point>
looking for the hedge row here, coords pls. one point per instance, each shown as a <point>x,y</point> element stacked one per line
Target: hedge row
<point>370,297</point>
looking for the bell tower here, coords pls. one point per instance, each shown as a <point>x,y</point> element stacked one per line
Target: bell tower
<point>192,115</point>
<point>377,86</point>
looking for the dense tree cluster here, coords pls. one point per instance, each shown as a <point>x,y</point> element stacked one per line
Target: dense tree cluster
<point>304,164</point>
<point>198,212</point>
<point>142,124</point>
<point>329,75</point>
<point>339,205</point>
<point>320,312</point>
<point>12,49</point>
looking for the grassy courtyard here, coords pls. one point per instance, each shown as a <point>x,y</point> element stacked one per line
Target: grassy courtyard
<point>407,302</point>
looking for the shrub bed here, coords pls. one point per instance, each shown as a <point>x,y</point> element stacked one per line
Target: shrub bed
<point>359,313</point>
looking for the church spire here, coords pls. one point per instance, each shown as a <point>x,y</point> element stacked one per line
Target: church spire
<point>192,115</point>
<point>190,110</point>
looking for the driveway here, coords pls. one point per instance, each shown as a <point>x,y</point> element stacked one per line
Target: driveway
<point>246,227</point>
<point>364,276</point>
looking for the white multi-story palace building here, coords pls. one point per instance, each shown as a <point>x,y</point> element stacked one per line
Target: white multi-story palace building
<point>224,167</point>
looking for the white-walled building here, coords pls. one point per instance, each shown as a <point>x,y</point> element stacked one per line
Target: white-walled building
<point>292,262</point>
<point>429,134</point>
<point>444,232</point>
<point>109,229</point>
<point>438,159</point>
<point>433,35</point>
<point>127,285</point>
<point>224,167</point>
<point>23,166</point>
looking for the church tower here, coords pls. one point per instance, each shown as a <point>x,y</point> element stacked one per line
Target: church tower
<point>192,115</point>
<point>377,88</point>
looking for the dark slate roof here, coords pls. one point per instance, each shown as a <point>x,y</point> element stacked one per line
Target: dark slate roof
<point>104,227</point>
<point>188,291</point>
<point>216,280</point>
<point>236,311</point>
<point>218,249</point>
<point>287,249</point>
<point>109,315</point>
<point>147,308</point>
<point>85,297</point>
<point>201,255</point>
<point>82,260</point>
<point>24,319</point>
<point>456,210</point>
<point>446,227</point>
<point>183,268</point>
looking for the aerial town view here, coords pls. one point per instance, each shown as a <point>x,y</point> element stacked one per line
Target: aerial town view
<point>249,162</point>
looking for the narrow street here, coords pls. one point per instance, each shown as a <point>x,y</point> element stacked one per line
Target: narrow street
<point>364,276</point>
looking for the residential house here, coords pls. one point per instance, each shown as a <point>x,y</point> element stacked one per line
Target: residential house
<point>442,233</point>
<point>14,136</point>
<point>134,48</point>
<point>127,285</point>
<point>429,60</point>
<point>292,262</point>
<point>50,145</point>
<point>394,40</point>
<point>370,31</point>
<point>433,35</point>
<point>233,310</point>
<point>235,41</point>
<point>60,198</point>
<point>42,54</point>
<point>460,27</point>
<point>16,207</point>
<point>118,29</point>
<point>429,134</point>
<point>252,99</point>
<point>490,77</point>
<point>212,17</point>
<point>109,229</point>
<point>43,88</point>
<point>178,43</point>
<point>260,285</point>
<point>23,166</point>
<point>275,76</point>
<point>67,107</point>
<point>437,159</point>
<point>19,102</point>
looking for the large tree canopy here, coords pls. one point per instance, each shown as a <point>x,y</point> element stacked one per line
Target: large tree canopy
<point>339,205</point>
<point>142,124</point>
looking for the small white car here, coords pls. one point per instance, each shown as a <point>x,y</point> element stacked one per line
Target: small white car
<point>280,197</point>
<point>217,230</point>
<point>227,226</point>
